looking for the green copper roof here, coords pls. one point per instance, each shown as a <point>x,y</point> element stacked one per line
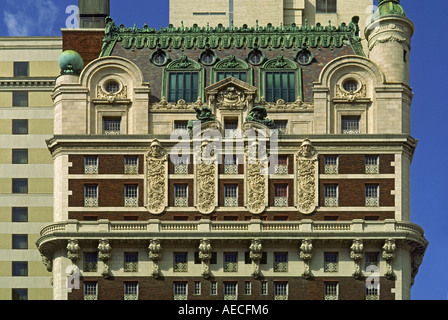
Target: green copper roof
<point>387,8</point>
<point>195,37</point>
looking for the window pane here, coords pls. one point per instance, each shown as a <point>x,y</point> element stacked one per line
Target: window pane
<point>21,69</point>
<point>20,99</point>
<point>321,6</point>
<point>350,125</point>
<point>112,125</point>
<point>280,85</point>
<point>20,126</point>
<point>183,85</point>
<point>20,241</point>
<point>19,185</point>
<point>19,214</point>
<point>19,268</point>
<point>20,156</point>
<point>19,294</point>
<point>331,6</point>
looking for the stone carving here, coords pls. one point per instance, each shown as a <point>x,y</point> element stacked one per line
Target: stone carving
<point>390,38</point>
<point>155,254</point>
<point>73,250</point>
<point>255,254</point>
<point>203,114</point>
<point>181,104</point>
<point>205,254</point>
<point>306,253</point>
<point>307,171</point>
<point>111,97</point>
<point>351,96</point>
<point>206,179</point>
<point>389,255</point>
<point>157,178</point>
<point>47,260</point>
<point>259,114</point>
<point>232,98</point>
<point>104,254</point>
<point>281,105</point>
<point>256,178</point>
<point>356,254</point>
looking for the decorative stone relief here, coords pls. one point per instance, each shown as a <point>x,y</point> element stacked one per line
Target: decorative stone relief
<point>356,254</point>
<point>47,260</point>
<point>104,254</point>
<point>306,253</point>
<point>281,105</point>
<point>307,176</point>
<point>111,97</point>
<point>256,178</point>
<point>155,254</point>
<point>206,178</point>
<point>232,98</point>
<point>73,250</point>
<point>205,254</point>
<point>390,38</point>
<point>255,254</point>
<point>157,177</point>
<point>351,96</point>
<point>389,255</point>
<point>181,104</point>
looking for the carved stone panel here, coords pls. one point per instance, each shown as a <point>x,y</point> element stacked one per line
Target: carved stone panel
<point>206,177</point>
<point>256,179</point>
<point>157,178</point>
<point>307,178</point>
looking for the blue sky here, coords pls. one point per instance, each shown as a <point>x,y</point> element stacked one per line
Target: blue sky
<point>429,112</point>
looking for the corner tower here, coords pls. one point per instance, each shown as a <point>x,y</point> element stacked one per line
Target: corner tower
<point>389,40</point>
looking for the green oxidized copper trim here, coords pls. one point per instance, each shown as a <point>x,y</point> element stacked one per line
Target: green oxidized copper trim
<point>269,37</point>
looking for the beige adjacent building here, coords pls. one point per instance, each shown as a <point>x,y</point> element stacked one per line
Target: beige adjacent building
<point>28,69</point>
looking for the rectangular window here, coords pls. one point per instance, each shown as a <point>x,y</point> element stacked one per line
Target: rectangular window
<point>112,125</point>
<point>19,185</point>
<point>91,165</point>
<point>213,288</point>
<point>372,165</point>
<point>91,195</point>
<point>372,261</point>
<point>281,126</point>
<point>183,85</point>
<point>331,291</point>
<point>131,291</point>
<point>230,290</point>
<point>231,12</point>
<point>330,262</point>
<point>180,164</point>
<point>131,196</point>
<point>19,268</point>
<point>131,165</point>
<point>90,262</point>
<point>90,291</point>
<point>230,164</point>
<point>131,262</point>
<point>264,288</point>
<point>280,290</point>
<point>20,126</point>
<point>231,262</point>
<point>372,195</point>
<point>231,195</point>
<point>247,288</point>
<point>19,214</point>
<point>180,262</point>
<point>197,288</point>
<point>280,195</point>
<point>280,262</point>
<point>180,291</point>
<point>181,127</point>
<point>19,294</point>
<point>231,128</point>
<point>350,125</point>
<point>20,99</point>
<point>331,165</point>
<point>281,165</point>
<point>280,85</point>
<point>326,6</point>
<point>331,195</point>
<point>20,156</point>
<point>181,195</point>
<point>21,69</point>
<point>20,241</point>
<point>240,75</point>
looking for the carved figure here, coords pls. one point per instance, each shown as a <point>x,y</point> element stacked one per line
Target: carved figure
<point>259,114</point>
<point>203,114</point>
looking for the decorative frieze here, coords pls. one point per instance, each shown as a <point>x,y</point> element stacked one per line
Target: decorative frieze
<point>307,178</point>
<point>157,178</point>
<point>281,105</point>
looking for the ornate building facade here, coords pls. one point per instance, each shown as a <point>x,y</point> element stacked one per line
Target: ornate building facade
<point>235,163</point>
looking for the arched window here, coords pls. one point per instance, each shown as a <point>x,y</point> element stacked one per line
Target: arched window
<point>280,78</point>
<point>232,67</point>
<point>183,79</point>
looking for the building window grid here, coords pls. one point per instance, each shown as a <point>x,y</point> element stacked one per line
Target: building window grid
<point>111,125</point>
<point>248,288</point>
<point>131,196</point>
<point>180,127</point>
<point>90,262</point>
<point>90,291</point>
<point>280,195</point>
<point>180,165</point>
<point>230,164</point>
<point>281,166</point>
<point>20,241</point>
<point>231,195</point>
<point>280,291</point>
<point>21,69</point>
<point>180,291</point>
<point>91,165</point>
<point>372,195</point>
<point>19,214</point>
<point>331,195</point>
<point>180,262</point>
<point>20,268</point>
<point>280,85</point>
<point>20,99</point>
<point>131,165</point>
<point>331,164</point>
<point>20,126</point>
<point>130,291</point>
<point>326,6</point>
<point>264,288</point>
<point>372,165</point>
<point>131,262</point>
<point>197,288</point>
<point>213,288</point>
<point>19,294</point>
<point>331,291</point>
<point>20,186</point>
<point>331,262</point>
<point>280,262</point>
<point>231,262</point>
<point>181,195</point>
<point>91,196</point>
<point>230,290</point>
<point>183,85</point>
<point>231,128</point>
<point>350,125</point>
<point>20,156</point>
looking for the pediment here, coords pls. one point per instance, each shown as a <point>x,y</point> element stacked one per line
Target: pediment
<point>231,93</point>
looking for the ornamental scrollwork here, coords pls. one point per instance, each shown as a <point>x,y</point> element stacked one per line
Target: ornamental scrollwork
<point>307,171</point>
<point>205,254</point>
<point>306,253</point>
<point>256,178</point>
<point>255,254</point>
<point>155,254</point>
<point>73,250</point>
<point>356,253</point>
<point>157,178</point>
<point>206,178</point>
<point>104,254</point>
<point>389,255</point>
